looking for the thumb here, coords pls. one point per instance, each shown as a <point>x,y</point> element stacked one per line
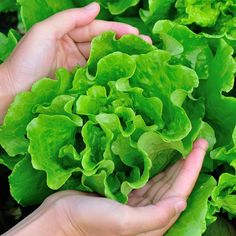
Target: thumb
<point>153,217</point>
<point>65,21</point>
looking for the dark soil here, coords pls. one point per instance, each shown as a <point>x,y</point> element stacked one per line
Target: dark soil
<point>7,21</point>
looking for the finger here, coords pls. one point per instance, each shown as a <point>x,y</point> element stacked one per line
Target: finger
<point>88,32</point>
<point>190,170</point>
<point>152,217</point>
<point>62,23</point>
<point>84,48</point>
<point>146,38</point>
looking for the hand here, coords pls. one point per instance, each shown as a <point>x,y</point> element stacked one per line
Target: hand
<point>151,210</point>
<point>62,40</point>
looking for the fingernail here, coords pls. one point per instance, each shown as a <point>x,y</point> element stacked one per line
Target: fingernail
<point>90,7</point>
<point>180,206</point>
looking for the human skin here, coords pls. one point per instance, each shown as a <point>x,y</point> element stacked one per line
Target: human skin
<point>63,40</point>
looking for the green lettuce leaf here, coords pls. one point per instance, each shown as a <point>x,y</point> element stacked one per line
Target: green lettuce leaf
<point>118,6</point>
<point>168,84</point>
<point>223,116</point>
<point>27,185</point>
<point>109,44</point>
<point>203,12</point>
<point>185,46</point>
<point>224,194</point>
<point>226,153</point>
<point>215,17</point>
<point>34,11</point>
<point>8,161</point>
<point>42,131</point>
<point>158,10</point>
<point>7,44</point>
<point>136,22</point>
<point>8,5</point>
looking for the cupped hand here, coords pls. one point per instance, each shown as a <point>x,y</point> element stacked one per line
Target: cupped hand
<point>62,40</point>
<point>151,210</point>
